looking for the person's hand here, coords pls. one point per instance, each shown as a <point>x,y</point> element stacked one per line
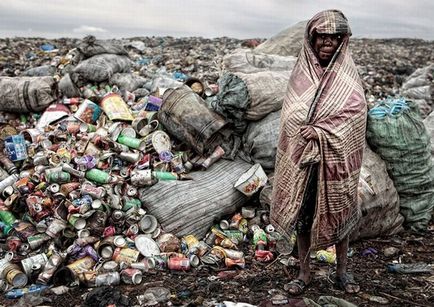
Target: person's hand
<point>308,133</point>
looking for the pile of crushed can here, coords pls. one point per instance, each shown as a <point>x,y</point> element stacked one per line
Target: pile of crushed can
<point>70,208</point>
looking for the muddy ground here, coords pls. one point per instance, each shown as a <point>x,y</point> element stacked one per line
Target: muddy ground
<point>259,282</point>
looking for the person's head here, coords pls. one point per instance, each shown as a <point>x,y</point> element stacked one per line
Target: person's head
<point>325,32</point>
<point>325,46</point>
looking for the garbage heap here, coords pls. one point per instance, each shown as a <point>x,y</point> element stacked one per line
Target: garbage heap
<point>90,156</point>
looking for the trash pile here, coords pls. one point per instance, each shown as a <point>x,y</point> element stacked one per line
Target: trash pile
<point>76,178</point>
<point>119,160</point>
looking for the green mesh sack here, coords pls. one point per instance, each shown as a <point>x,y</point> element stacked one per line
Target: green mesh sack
<point>395,131</point>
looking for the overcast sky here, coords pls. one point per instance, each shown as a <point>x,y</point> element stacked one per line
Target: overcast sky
<point>232,18</point>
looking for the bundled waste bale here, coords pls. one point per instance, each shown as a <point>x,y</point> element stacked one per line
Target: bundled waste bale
<point>101,67</point>
<point>40,71</point>
<point>67,87</point>
<point>127,81</point>
<point>244,97</point>
<point>260,141</point>
<point>285,43</point>
<point>248,61</point>
<point>27,94</point>
<point>190,207</point>
<point>91,46</point>
<point>396,132</point>
<point>378,199</point>
<point>419,87</point>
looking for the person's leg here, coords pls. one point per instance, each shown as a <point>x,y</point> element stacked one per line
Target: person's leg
<point>303,244</point>
<point>343,278</point>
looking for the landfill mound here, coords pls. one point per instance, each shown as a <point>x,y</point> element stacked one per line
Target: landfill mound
<point>144,164</point>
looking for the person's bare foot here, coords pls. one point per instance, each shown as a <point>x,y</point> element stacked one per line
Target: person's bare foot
<point>297,286</point>
<point>347,283</point>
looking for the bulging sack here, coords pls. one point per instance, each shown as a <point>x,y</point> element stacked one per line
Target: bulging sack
<point>27,94</point>
<point>101,67</point>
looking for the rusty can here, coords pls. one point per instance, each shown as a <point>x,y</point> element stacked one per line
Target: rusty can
<point>178,263</point>
<point>30,263</point>
<point>131,276</point>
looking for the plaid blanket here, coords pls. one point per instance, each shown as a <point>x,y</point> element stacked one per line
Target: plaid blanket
<point>332,101</point>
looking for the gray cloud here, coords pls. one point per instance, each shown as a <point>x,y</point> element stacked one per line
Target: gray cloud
<point>233,18</point>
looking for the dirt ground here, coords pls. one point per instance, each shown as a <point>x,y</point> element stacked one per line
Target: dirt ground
<point>258,281</point>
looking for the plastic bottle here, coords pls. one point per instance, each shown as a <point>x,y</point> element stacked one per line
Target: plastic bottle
<point>17,293</point>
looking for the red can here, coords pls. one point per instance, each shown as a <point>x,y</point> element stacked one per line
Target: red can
<point>179,264</point>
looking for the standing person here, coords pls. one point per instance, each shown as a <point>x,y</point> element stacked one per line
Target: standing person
<point>321,143</point>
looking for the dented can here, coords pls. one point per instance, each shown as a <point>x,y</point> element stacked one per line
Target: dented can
<point>30,263</point>
<point>50,267</point>
<point>131,276</point>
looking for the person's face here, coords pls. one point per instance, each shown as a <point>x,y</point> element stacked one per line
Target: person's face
<point>325,46</point>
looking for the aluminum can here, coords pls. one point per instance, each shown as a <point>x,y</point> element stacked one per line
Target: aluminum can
<point>14,276</point>
<point>127,255</point>
<point>98,176</point>
<point>132,142</point>
<point>74,172</point>
<point>130,156</point>
<point>142,178</point>
<point>59,177</point>
<point>36,241</point>
<point>131,276</point>
<point>29,263</point>
<point>241,263</point>
<point>8,181</point>
<point>8,165</point>
<point>56,227</point>
<point>92,190</point>
<point>81,265</point>
<point>77,221</point>
<point>50,267</point>
<point>178,264</point>
<point>107,279</point>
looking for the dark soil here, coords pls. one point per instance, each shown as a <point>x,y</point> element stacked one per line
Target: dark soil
<point>259,281</point>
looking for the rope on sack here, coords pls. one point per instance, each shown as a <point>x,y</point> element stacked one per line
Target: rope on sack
<point>390,107</point>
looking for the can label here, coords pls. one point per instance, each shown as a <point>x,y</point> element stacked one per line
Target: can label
<point>115,108</point>
<point>88,112</point>
<point>97,175</point>
<point>16,278</point>
<point>59,177</point>
<point>127,255</point>
<point>81,265</point>
<point>178,264</point>
<point>28,263</point>
<point>15,146</point>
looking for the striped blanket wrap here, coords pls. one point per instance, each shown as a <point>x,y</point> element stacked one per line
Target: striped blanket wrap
<point>332,101</point>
